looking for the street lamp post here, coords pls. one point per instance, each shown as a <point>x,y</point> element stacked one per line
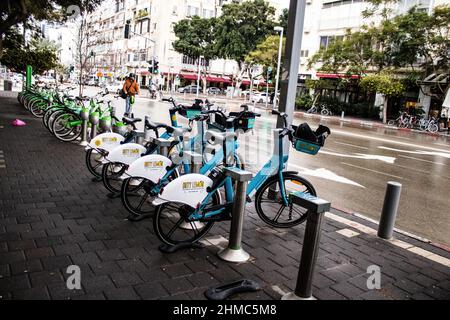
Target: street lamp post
<point>281,30</point>
<point>198,75</point>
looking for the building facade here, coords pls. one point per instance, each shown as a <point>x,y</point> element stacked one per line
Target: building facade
<point>327,21</point>
<point>153,20</point>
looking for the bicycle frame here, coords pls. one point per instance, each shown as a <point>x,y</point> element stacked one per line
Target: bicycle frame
<point>272,167</point>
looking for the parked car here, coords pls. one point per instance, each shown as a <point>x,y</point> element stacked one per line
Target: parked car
<point>113,87</point>
<point>213,90</point>
<point>246,93</point>
<point>261,97</point>
<point>47,80</point>
<point>92,82</point>
<point>190,89</point>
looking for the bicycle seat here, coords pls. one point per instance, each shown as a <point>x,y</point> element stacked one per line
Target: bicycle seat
<point>128,120</point>
<point>154,125</point>
<point>177,132</point>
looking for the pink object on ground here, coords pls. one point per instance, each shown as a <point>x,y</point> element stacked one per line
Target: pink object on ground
<point>18,123</point>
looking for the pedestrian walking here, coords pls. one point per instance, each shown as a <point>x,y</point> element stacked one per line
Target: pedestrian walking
<point>130,89</point>
<point>272,96</point>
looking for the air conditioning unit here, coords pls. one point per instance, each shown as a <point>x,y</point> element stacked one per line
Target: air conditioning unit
<point>308,1</point>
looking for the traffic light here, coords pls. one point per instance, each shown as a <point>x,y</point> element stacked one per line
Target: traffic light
<point>150,69</point>
<point>127,29</point>
<point>155,67</point>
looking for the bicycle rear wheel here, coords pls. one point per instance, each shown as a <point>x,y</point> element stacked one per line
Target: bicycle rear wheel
<point>111,173</point>
<point>172,226</point>
<point>269,205</point>
<point>94,163</point>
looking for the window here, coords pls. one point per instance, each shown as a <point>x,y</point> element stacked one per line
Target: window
<point>192,11</point>
<point>120,4</point>
<point>325,41</point>
<point>337,3</point>
<point>175,10</point>
<point>304,53</point>
<point>193,61</point>
<point>208,13</point>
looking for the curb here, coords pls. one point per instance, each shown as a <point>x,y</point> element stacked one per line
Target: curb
<point>402,232</point>
<point>363,123</point>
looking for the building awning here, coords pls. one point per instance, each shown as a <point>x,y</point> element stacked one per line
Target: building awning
<point>144,73</point>
<point>336,75</point>
<point>193,76</point>
<point>189,76</point>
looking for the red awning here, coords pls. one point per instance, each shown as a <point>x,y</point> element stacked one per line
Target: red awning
<point>144,73</point>
<point>193,76</point>
<point>336,75</point>
<point>189,76</point>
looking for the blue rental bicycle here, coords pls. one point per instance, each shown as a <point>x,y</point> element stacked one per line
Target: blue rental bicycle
<point>148,175</point>
<point>193,199</point>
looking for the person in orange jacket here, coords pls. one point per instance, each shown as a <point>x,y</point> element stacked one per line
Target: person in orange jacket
<point>131,89</point>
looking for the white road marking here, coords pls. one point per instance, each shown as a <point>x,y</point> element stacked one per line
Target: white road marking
<point>350,145</point>
<point>325,174</point>
<point>361,136</point>
<point>401,244</point>
<point>428,161</point>
<point>375,171</point>
<point>348,233</point>
<point>440,153</point>
<point>361,156</point>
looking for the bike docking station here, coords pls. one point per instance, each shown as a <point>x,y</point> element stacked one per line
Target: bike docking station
<point>234,251</point>
<point>311,241</point>
<point>84,114</point>
<point>94,119</point>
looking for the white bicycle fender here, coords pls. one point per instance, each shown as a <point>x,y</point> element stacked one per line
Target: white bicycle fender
<point>189,189</point>
<point>125,153</point>
<point>106,141</point>
<point>151,167</point>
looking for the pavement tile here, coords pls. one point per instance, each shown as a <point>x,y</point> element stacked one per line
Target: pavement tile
<point>151,291</point>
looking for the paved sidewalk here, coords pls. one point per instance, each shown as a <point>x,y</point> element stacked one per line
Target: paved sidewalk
<point>52,215</point>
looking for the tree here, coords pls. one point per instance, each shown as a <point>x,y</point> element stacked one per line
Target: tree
<point>240,28</point>
<point>40,54</point>
<point>14,12</point>
<point>266,53</point>
<point>283,19</point>
<point>85,38</point>
<point>196,39</point>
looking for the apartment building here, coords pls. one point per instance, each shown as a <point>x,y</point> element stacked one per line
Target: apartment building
<point>328,20</point>
<point>152,19</point>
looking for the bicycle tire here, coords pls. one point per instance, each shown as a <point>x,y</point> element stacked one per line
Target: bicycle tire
<point>110,177</point>
<point>264,213</point>
<point>161,217</point>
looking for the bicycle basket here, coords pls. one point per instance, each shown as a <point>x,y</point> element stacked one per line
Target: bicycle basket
<point>191,112</point>
<point>245,123</point>
<point>307,141</point>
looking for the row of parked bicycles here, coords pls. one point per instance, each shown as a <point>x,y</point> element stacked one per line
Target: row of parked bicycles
<point>175,173</point>
<point>406,120</point>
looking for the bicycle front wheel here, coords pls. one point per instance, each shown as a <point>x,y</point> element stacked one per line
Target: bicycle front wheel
<point>269,203</point>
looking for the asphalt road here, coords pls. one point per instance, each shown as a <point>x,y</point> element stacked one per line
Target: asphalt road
<point>354,166</point>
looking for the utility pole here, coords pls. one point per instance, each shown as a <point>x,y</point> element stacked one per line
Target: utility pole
<point>289,78</point>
